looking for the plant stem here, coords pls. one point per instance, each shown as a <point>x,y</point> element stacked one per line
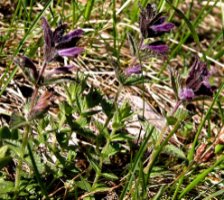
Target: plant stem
<point>19,167</point>
<point>98,174</point>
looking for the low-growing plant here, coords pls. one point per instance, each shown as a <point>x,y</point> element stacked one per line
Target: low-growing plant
<point>70,140</point>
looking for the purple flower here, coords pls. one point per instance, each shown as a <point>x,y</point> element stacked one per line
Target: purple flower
<point>186,94</point>
<point>136,69</point>
<point>57,44</point>
<point>60,70</point>
<point>152,24</point>
<point>156,47</point>
<point>70,52</point>
<point>197,83</point>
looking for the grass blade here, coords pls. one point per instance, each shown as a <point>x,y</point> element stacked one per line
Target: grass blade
<point>88,9</point>
<point>200,177</point>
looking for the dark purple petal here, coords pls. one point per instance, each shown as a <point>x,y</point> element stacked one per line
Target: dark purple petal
<point>70,39</point>
<point>71,52</point>
<point>205,89</point>
<point>164,27</point>
<point>145,18</point>
<point>49,49</point>
<point>61,70</point>
<point>159,19</point>
<point>186,94</point>
<point>198,79</point>
<point>75,33</point>
<point>59,32</point>
<point>152,23</point>
<point>48,34</point>
<point>156,48</point>
<point>198,73</point>
<point>137,69</point>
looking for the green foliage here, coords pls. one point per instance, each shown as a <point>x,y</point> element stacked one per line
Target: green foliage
<point>82,148</point>
<point>121,115</point>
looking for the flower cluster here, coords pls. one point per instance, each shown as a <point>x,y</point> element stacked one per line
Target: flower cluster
<point>197,83</point>
<point>57,44</point>
<point>153,24</point>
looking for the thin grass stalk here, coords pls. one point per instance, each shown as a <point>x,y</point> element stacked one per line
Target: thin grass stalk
<point>88,9</point>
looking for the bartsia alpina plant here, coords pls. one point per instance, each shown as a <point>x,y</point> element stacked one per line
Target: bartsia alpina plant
<point>57,44</point>
<point>197,82</point>
<point>152,25</point>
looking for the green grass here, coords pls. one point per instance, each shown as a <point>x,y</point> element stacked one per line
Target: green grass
<point>105,134</point>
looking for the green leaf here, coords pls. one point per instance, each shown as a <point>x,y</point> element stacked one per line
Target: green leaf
<point>93,98</point>
<point>83,184</point>
<point>62,138</point>
<point>17,121</point>
<point>6,186</point>
<point>75,126</point>
<point>3,151</point>
<point>121,115</point>
<point>4,158</point>
<point>94,165</point>
<point>108,107</point>
<point>110,150</point>
<point>174,151</point>
<point>65,108</point>
<point>101,189</point>
<point>171,120</point>
<point>219,148</point>
<point>181,114</point>
<point>5,133</point>
<point>121,137</point>
<point>110,176</point>
<point>57,80</point>
<point>132,80</point>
